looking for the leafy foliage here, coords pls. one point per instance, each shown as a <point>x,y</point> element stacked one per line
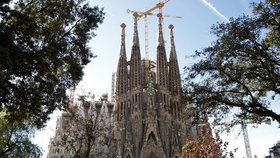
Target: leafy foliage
<point>241,69</point>
<point>43,47</point>
<point>206,146</point>
<point>15,140</point>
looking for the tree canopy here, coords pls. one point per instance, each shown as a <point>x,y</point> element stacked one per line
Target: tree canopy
<point>15,139</point>
<point>43,49</point>
<point>240,71</point>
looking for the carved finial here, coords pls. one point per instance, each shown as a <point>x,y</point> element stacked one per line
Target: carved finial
<point>123,25</point>
<point>135,15</point>
<point>159,15</point>
<point>171,26</point>
<point>122,51</point>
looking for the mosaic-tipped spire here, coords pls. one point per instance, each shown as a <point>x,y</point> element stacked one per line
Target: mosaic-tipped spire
<point>160,35</point>
<point>123,51</point>
<point>135,35</point>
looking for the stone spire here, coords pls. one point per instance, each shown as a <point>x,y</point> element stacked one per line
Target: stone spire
<point>162,66</point>
<point>174,74</point>
<point>160,36</point>
<point>172,44</point>
<point>122,74</point>
<point>135,35</point>
<point>135,61</point>
<point>123,51</point>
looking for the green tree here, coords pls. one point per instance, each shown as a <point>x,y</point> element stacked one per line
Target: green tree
<point>43,49</point>
<point>240,71</point>
<point>15,140</point>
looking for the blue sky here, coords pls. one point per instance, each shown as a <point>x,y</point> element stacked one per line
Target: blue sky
<point>191,33</point>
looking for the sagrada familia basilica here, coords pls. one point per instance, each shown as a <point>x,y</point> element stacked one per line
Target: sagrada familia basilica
<point>144,120</point>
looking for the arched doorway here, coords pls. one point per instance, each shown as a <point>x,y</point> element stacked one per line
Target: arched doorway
<point>152,155</point>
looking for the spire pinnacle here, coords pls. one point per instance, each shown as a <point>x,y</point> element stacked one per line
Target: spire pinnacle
<point>135,36</point>
<point>160,37</point>
<point>172,45</point>
<point>122,51</point>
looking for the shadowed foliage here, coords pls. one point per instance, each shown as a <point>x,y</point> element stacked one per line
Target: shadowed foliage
<point>240,71</point>
<point>44,47</point>
<point>15,140</point>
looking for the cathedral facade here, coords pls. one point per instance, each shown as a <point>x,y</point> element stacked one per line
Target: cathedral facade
<point>149,121</point>
<point>145,118</point>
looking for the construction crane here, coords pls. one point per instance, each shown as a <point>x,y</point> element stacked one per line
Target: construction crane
<point>144,15</point>
<point>140,13</point>
<point>245,136</point>
<point>245,133</point>
<point>246,139</point>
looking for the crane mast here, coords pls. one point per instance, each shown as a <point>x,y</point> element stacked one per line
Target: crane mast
<point>246,139</point>
<point>245,134</point>
<point>146,39</point>
<point>144,14</point>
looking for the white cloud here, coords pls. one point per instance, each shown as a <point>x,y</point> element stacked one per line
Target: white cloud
<point>208,4</point>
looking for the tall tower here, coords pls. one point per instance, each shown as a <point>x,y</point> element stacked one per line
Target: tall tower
<point>162,67</point>
<point>122,84</point>
<point>174,74</point>
<point>149,120</point>
<point>135,61</point>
